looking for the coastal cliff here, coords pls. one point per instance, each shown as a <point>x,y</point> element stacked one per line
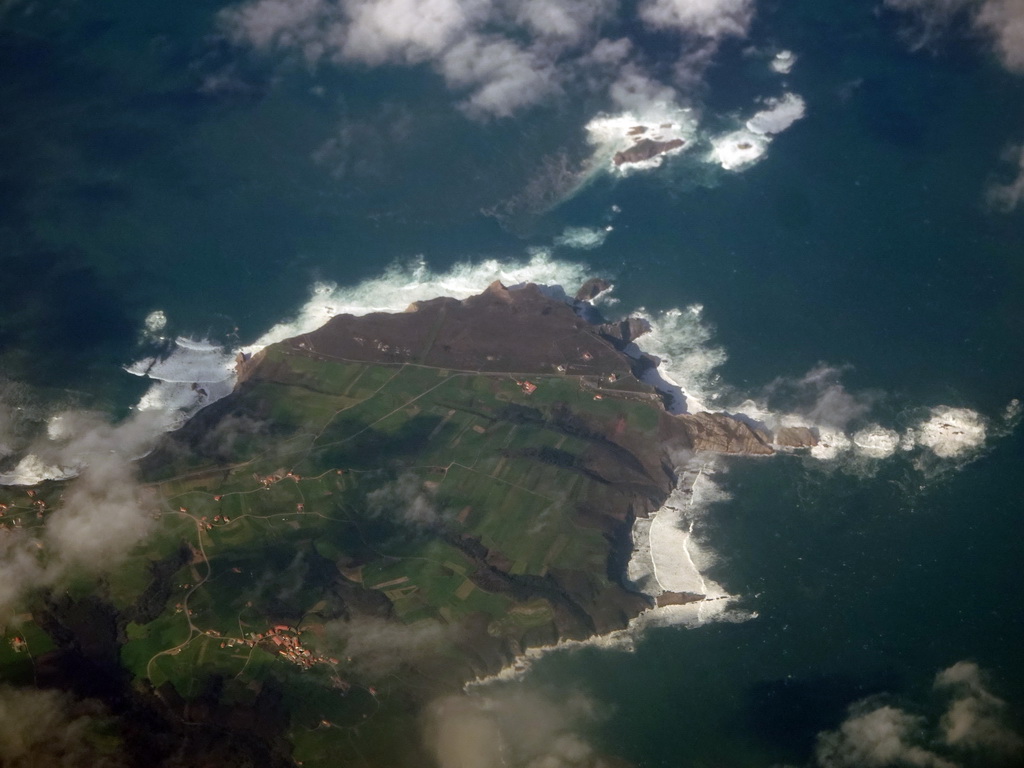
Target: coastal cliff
<point>524,332</point>
<point>477,464</point>
<point>465,482</point>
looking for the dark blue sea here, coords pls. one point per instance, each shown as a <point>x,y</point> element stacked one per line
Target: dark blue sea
<point>149,161</point>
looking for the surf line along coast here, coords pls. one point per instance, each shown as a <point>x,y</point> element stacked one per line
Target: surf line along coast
<point>557,414</point>
<point>452,488</point>
<point>498,464</point>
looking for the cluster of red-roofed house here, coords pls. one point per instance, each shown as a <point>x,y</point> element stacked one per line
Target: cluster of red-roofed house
<point>285,640</point>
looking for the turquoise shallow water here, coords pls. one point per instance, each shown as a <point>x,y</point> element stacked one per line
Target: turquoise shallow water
<point>861,240</point>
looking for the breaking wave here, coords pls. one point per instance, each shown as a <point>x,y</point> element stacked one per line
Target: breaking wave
<point>197,372</point>
<point>583,238</point>
<point>740,148</point>
<point>402,285</point>
<point>611,134</point>
<point>681,340</point>
<point>783,62</point>
<point>668,557</point>
<point>951,432</point>
<point>745,142</point>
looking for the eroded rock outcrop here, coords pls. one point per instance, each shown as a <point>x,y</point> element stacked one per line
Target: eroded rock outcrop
<point>591,289</point>
<point>625,331</point>
<point>795,437</point>
<point>645,149</point>
<point>722,433</point>
<point>523,331</point>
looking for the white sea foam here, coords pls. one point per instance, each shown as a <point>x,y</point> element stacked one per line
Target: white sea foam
<point>688,616</point>
<point>609,134</point>
<point>1012,414</point>
<point>737,149</point>
<point>57,427</point>
<point>677,557</point>
<point>666,555</point>
<point>195,374</point>
<point>666,558</point>
<point>402,285</point>
<point>211,367</point>
<point>191,361</point>
<point>32,470</point>
<point>951,432</point>
<point>783,62</point>
<point>155,322</point>
<point>687,373</point>
<point>779,115</point>
<point>908,441</point>
<point>734,149</point>
<point>680,338</point>
<point>876,442</point>
<point>831,445</point>
<point>199,372</point>
<point>740,148</point>
<point>947,432</point>
<point>583,238</point>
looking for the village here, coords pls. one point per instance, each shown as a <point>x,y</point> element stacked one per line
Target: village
<point>12,514</point>
<point>285,641</point>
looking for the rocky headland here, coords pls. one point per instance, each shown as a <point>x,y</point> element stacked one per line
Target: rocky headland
<point>645,149</point>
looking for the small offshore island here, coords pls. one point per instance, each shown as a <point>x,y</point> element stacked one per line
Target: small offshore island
<point>383,510</point>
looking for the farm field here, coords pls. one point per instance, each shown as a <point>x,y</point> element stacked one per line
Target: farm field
<point>453,517</point>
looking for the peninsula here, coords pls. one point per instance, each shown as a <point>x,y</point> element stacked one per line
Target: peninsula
<point>388,507</point>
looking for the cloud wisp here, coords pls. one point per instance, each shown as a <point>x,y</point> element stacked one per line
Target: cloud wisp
<point>974,725</point>
<point>511,727</point>
<point>975,719</point>
<point>499,57</point>
<point>378,647</point>
<point>43,729</point>
<point>103,513</point>
<point>1005,197</point>
<point>406,500</point>
<point>999,22</point>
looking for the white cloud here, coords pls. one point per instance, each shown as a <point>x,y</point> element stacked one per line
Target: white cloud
<point>571,21</point>
<point>778,114</point>
<point>312,27</point>
<point>703,23</point>
<point>1001,21</point>
<point>975,718</point>
<point>405,500</point>
<point>634,90</point>
<point>1006,197</point>
<point>378,647</point>
<point>820,397</point>
<point>882,736</point>
<point>103,513</point>
<point>877,735</point>
<point>45,729</point>
<point>502,76</point>
<point>607,51</point>
<point>502,56</point>
<point>510,727</point>
<point>407,31</point>
<point>713,19</point>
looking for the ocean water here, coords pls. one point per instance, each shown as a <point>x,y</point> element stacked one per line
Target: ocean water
<point>148,163</point>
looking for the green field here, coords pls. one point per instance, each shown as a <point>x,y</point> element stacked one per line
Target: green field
<point>410,494</point>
